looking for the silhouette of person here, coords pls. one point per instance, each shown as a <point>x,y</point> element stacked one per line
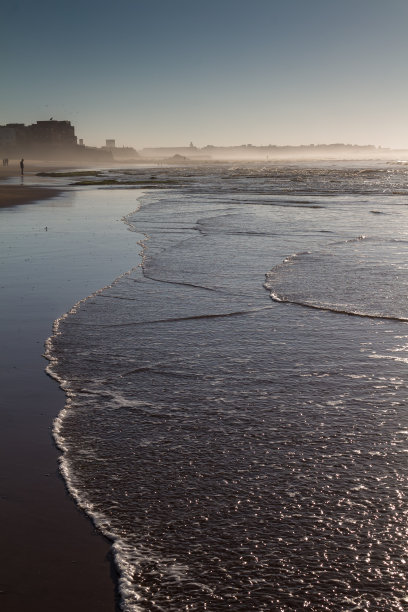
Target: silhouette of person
<point>22,165</point>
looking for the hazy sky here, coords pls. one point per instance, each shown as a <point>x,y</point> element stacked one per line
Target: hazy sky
<point>167,72</point>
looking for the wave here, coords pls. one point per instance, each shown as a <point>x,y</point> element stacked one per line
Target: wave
<point>351,313</point>
<point>109,379</point>
<point>236,313</point>
<point>123,554</point>
<point>170,282</point>
<point>364,277</point>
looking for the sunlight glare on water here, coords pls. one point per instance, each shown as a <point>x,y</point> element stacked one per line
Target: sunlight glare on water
<point>245,453</point>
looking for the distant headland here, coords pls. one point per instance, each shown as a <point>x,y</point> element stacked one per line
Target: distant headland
<point>56,140</point>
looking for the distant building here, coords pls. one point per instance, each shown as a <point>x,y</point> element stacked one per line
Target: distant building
<point>122,153</point>
<point>164,152</point>
<point>60,133</point>
<point>50,139</point>
<point>38,135</point>
<point>7,137</point>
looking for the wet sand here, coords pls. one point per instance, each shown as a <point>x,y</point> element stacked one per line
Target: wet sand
<point>11,195</point>
<point>51,557</point>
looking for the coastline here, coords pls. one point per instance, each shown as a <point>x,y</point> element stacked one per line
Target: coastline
<point>53,558</point>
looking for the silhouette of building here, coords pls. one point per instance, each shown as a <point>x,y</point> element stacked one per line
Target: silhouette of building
<point>50,139</point>
<point>7,136</point>
<point>43,133</point>
<point>119,153</point>
<point>164,152</point>
<point>52,132</point>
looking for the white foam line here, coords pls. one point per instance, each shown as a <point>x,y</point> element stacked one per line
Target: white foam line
<point>130,599</point>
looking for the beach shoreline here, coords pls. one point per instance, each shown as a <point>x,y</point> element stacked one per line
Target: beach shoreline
<point>52,556</point>
<point>13,194</point>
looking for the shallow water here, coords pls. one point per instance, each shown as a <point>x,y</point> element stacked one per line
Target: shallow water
<point>42,273</point>
<point>231,424</point>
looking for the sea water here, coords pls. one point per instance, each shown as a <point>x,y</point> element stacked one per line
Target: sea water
<point>236,417</point>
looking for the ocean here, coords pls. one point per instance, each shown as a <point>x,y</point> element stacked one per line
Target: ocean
<point>236,419</point>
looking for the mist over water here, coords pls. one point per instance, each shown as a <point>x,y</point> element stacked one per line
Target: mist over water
<point>231,424</point>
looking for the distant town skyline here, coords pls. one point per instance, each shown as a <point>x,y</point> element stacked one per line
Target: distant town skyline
<point>56,140</point>
<point>151,73</point>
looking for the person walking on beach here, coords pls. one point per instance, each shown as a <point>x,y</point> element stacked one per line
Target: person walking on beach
<point>22,165</point>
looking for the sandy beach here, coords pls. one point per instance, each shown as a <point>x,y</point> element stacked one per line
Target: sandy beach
<point>52,558</point>
<point>10,195</point>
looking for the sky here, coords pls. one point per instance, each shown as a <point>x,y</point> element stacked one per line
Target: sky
<point>220,72</point>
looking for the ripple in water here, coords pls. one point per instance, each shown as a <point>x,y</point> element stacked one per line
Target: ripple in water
<point>247,462</point>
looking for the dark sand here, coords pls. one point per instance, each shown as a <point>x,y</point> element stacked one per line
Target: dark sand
<point>10,195</point>
<point>51,557</point>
